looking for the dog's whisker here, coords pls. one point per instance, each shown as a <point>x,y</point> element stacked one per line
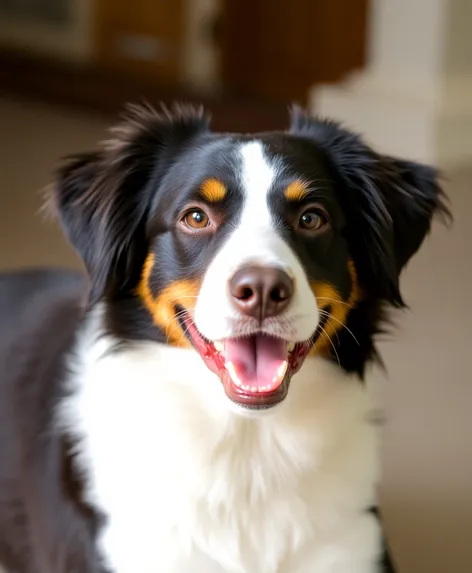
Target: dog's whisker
<point>173,318</point>
<point>334,300</point>
<point>332,344</point>
<point>325,313</point>
<point>184,334</point>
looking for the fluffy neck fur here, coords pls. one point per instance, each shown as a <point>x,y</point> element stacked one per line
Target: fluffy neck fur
<point>185,479</point>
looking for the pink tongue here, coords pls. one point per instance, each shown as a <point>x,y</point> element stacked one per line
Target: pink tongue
<point>257,363</point>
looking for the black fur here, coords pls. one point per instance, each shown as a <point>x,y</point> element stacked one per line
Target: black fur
<point>103,198</point>
<point>45,526</point>
<point>389,205</point>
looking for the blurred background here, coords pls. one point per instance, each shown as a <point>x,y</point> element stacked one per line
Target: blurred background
<point>398,71</point>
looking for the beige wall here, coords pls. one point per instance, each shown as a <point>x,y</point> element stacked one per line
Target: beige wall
<point>427,489</point>
<point>414,96</point>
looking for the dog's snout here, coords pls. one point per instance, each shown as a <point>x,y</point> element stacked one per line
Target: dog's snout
<point>261,292</point>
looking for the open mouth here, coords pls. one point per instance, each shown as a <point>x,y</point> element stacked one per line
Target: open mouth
<point>255,370</point>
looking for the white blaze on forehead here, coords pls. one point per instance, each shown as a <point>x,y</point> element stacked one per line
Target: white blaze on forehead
<point>257,177</point>
<point>255,239</point>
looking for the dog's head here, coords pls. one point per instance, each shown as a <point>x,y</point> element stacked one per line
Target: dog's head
<point>254,250</point>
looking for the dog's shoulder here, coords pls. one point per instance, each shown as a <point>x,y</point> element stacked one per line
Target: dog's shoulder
<point>40,310</point>
<point>46,289</point>
<point>28,296</point>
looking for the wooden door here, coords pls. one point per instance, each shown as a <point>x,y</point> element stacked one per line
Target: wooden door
<point>142,37</point>
<point>277,49</point>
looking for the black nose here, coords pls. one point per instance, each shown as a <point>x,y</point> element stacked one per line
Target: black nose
<point>261,292</point>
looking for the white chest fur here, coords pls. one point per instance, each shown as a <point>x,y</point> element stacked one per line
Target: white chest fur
<point>190,486</point>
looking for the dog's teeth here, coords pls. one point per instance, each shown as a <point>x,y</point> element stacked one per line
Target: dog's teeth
<point>282,371</point>
<point>262,388</point>
<point>219,346</point>
<point>291,346</point>
<point>232,372</point>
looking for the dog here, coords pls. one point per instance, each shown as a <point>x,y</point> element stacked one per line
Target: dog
<point>195,402</point>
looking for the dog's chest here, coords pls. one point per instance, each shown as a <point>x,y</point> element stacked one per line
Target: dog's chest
<point>188,489</point>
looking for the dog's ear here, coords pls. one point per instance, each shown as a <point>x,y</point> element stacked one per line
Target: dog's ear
<point>389,203</point>
<point>103,198</point>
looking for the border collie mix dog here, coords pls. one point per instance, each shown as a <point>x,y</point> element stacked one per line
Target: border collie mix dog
<point>197,406</point>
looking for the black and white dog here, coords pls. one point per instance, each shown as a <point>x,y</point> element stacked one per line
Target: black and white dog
<point>198,406</point>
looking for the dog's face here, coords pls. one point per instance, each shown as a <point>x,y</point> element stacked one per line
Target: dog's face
<point>247,250</point>
<point>255,251</point>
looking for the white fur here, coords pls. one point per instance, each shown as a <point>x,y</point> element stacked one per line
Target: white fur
<point>255,240</point>
<point>191,487</point>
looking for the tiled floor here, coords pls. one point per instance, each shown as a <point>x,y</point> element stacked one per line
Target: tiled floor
<point>427,487</point>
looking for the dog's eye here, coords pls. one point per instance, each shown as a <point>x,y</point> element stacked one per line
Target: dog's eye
<point>196,219</point>
<point>312,220</point>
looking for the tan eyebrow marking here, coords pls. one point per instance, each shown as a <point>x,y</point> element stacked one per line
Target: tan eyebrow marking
<point>213,190</point>
<point>296,191</point>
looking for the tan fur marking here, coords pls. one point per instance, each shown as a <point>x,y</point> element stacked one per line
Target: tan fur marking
<point>327,295</point>
<point>296,191</point>
<point>162,308</point>
<point>213,190</point>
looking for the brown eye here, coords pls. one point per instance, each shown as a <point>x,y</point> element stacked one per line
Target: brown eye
<point>196,219</point>
<point>312,220</point>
